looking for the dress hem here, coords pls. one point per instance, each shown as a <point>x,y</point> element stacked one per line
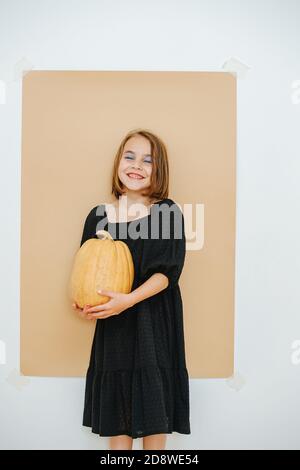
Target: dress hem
<point>144,434</point>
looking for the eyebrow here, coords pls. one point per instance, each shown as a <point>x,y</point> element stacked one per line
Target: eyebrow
<point>131,151</point>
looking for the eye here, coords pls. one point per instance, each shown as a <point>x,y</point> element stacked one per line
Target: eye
<point>130,157</point>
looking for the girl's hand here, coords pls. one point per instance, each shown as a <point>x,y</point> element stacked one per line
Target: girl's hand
<point>81,311</point>
<point>117,304</point>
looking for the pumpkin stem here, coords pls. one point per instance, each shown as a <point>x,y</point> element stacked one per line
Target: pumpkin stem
<point>104,235</point>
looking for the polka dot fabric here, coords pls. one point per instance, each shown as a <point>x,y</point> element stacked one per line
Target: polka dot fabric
<point>137,382</point>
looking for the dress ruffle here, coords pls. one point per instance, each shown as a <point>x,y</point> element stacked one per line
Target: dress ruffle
<point>136,402</point>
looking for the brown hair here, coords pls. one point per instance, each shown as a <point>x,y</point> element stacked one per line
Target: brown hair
<point>159,182</point>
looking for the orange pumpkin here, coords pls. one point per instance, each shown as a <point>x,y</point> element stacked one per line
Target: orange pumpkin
<point>100,263</point>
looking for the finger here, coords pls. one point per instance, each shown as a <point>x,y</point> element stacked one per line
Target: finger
<point>101,314</point>
<point>108,293</point>
<point>98,308</point>
<point>94,312</point>
<point>84,310</point>
<point>97,314</point>
<point>76,308</point>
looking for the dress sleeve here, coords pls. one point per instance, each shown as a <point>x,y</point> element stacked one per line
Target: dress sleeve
<point>166,254</point>
<point>89,227</point>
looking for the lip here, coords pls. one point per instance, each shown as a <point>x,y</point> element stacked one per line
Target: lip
<point>133,173</point>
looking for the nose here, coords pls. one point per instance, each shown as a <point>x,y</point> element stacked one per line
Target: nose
<point>136,166</point>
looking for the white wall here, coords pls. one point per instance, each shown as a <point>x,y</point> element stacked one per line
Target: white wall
<point>264,412</point>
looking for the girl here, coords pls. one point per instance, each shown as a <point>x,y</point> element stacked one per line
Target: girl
<point>137,384</point>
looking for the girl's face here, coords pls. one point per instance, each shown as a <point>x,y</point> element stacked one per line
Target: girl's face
<point>135,165</point>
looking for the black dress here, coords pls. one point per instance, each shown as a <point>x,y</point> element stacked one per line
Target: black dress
<point>137,382</point>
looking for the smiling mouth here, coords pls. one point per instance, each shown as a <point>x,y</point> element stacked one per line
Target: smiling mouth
<point>135,177</point>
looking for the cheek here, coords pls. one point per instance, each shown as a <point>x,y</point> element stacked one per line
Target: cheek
<point>122,165</point>
<point>122,168</point>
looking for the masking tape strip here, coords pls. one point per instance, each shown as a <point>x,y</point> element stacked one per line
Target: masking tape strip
<point>295,94</point>
<point>2,352</point>
<point>2,92</point>
<point>236,67</point>
<point>17,380</point>
<point>236,381</point>
<point>22,67</point>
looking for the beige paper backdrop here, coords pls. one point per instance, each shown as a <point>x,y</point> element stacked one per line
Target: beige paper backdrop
<point>72,124</point>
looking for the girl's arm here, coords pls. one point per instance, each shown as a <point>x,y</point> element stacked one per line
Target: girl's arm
<point>156,283</point>
<point>163,258</point>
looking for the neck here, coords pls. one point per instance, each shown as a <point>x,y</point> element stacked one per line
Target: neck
<point>132,197</point>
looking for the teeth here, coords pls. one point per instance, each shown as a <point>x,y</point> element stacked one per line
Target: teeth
<point>135,176</point>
